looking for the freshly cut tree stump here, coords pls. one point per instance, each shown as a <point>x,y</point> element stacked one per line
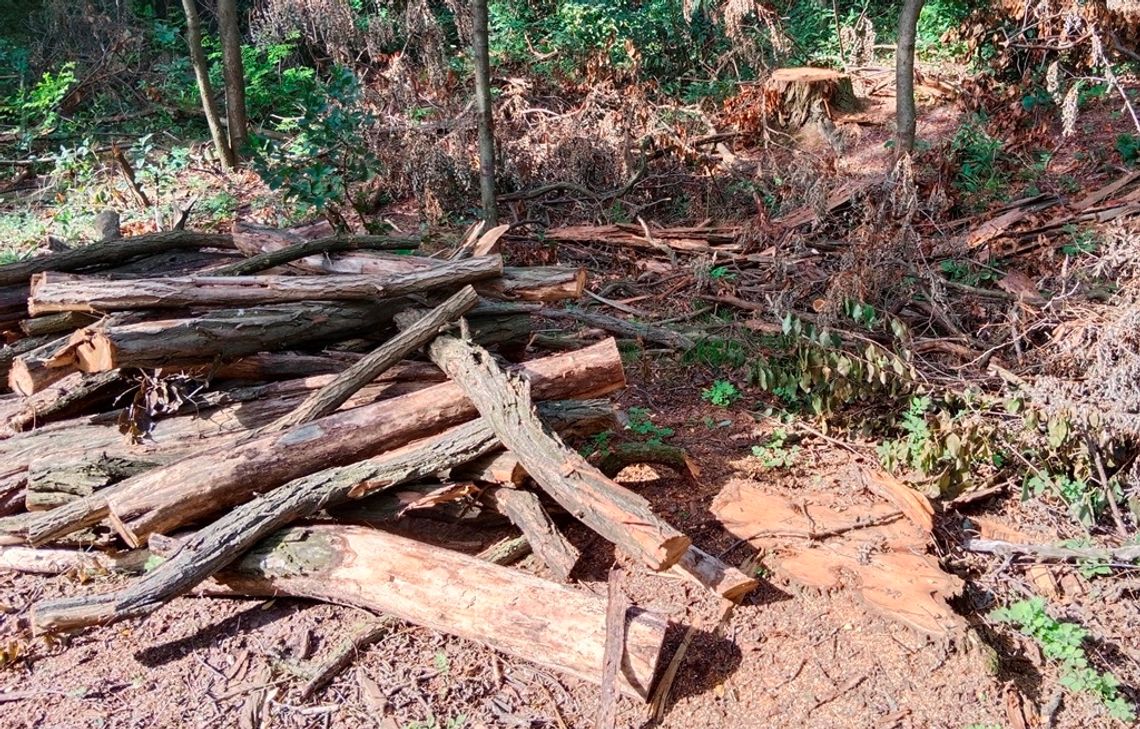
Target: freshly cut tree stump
<point>793,96</point>
<point>508,610</point>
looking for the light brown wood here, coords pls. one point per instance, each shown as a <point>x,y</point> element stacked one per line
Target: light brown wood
<point>196,487</point>
<point>613,511</point>
<point>720,578</point>
<point>508,610</point>
<point>52,293</point>
<point>525,511</point>
<point>794,95</point>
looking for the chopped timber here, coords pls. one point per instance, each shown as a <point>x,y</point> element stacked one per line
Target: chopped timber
<point>36,368</point>
<point>51,294</point>
<point>720,578</point>
<point>525,511</point>
<point>368,368</point>
<point>520,614</point>
<point>29,560</point>
<point>218,478</point>
<point>501,468</point>
<point>217,545</point>
<point>67,321</point>
<point>616,513</point>
<point>111,253</point>
<point>218,334</point>
<point>10,353</point>
<point>76,391</point>
<point>53,482</point>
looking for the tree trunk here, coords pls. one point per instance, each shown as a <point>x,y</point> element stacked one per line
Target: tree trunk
<point>202,74</point>
<point>234,71</point>
<point>56,293</point>
<point>525,511</point>
<point>508,610</point>
<point>904,77</point>
<point>482,57</point>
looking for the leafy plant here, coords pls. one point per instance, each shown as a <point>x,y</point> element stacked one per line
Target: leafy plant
<point>776,453</point>
<point>1086,502</point>
<point>1128,147</point>
<point>641,424</point>
<point>722,393</point>
<point>1089,568</point>
<point>1081,241</point>
<point>1062,642</point>
<point>978,155</point>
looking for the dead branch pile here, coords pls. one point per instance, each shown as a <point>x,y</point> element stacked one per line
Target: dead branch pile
<point>264,381</point>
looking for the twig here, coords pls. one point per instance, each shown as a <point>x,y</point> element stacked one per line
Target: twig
<point>616,610</point>
<point>1121,530</point>
<point>344,654</point>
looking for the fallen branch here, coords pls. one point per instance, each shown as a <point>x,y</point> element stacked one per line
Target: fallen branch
<point>1051,553</point>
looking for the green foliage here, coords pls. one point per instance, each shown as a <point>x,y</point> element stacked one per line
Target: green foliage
<point>1128,147</point>
<point>1086,502</point>
<point>978,156</point>
<point>968,272</point>
<point>776,452</point>
<point>722,393</point>
<point>1062,642</point>
<point>937,17</point>
<point>325,153</point>
<point>1089,568</point>
<point>943,446</point>
<point>717,353</point>
<point>820,371</point>
<point>640,423</point>
<point>35,107</point>
<point>1081,241</point>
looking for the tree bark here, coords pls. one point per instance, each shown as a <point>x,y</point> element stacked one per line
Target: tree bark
<point>205,92</point>
<point>509,610</point>
<point>621,516</point>
<point>719,578</point>
<point>64,398</point>
<point>112,253</point>
<point>482,56</point>
<point>234,71</point>
<point>51,293</point>
<point>904,76</point>
<point>329,398</point>
<point>219,334</point>
<point>167,498</point>
<point>217,545</point>
<point>525,511</point>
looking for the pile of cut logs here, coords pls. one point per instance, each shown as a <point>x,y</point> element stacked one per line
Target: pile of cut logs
<point>251,413</point>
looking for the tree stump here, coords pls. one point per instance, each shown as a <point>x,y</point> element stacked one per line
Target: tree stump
<point>794,96</point>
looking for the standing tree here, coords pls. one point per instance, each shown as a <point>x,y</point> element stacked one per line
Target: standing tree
<point>202,74</point>
<point>904,76</point>
<point>234,72</point>
<point>481,51</point>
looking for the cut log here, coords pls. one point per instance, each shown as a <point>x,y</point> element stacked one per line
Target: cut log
<point>52,293</point>
<point>9,353</point>
<point>520,614</point>
<point>219,544</point>
<point>719,578</point>
<point>269,248</point>
<point>499,468</point>
<point>54,482</point>
<point>332,396</point>
<point>685,240</point>
<point>621,327</point>
<point>34,369</point>
<point>222,477</point>
<point>792,96</point>
<point>277,366</point>
<point>63,399</point>
<point>68,322</point>
<point>111,253</point>
<point>219,334</point>
<point>616,513</point>
<point>525,512</point>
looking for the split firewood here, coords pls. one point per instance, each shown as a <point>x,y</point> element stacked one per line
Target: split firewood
<point>51,293</point>
<point>509,610</point>
<point>611,510</point>
<point>525,511</point>
<point>111,253</point>
<point>712,573</point>
<point>224,476</point>
<point>218,544</point>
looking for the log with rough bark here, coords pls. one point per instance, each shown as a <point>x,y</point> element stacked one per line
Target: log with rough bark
<point>34,369</point>
<point>508,610</point>
<point>70,293</point>
<point>111,253</point>
<point>525,511</point>
<point>29,560</point>
<point>683,239</point>
<point>186,491</point>
<point>333,395</point>
<point>67,321</point>
<point>199,340</point>
<point>62,399</point>
<point>54,482</point>
<point>794,95</point>
<point>273,366</point>
<point>268,248</point>
<point>499,468</point>
<point>621,327</point>
<point>616,513</point>
<point>226,539</point>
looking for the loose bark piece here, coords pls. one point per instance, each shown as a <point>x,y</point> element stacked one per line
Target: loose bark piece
<point>54,294</point>
<point>613,511</point>
<point>508,610</point>
<point>28,560</point>
<point>218,334</point>
<point>219,478</point>
<point>329,398</point>
<point>506,551</point>
<point>617,606</point>
<point>525,511</point>
<point>111,253</point>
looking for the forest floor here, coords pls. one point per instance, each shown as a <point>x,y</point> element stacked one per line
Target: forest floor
<point>788,656</point>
